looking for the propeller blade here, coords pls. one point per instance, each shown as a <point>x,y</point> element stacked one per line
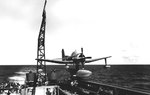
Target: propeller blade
<point>88,57</point>
<point>82,50</point>
<point>84,58</point>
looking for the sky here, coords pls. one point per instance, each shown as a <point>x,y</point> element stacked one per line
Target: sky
<point>117,28</point>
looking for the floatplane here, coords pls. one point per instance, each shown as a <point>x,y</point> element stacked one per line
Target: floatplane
<point>78,60</point>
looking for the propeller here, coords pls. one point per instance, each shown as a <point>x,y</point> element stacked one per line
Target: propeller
<point>82,57</point>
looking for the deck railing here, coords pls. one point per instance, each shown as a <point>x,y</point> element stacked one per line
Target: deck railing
<point>104,89</point>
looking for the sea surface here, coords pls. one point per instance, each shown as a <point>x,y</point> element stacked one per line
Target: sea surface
<point>132,76</point>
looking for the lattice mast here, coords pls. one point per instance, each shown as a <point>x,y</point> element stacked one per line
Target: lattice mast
<point>41,65</point>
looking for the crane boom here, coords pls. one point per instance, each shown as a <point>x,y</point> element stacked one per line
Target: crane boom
<point>41,65</point>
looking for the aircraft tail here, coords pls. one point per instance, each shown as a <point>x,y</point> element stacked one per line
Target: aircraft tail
<point>63,54</point>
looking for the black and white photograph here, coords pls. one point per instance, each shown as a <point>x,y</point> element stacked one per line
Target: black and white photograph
<point>75,47</point>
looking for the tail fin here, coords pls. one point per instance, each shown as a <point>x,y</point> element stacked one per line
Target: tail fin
<point>63,54</point>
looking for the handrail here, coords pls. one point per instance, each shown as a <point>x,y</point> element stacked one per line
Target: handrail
<point>109,89</point>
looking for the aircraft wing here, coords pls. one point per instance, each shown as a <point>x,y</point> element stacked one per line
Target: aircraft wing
<point>59,60</point>
<point>92,60</point>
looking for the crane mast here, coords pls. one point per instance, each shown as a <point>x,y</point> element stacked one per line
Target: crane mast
<point>41,65</point>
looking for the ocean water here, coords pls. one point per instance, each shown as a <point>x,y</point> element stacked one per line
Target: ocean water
<point>132,76</point>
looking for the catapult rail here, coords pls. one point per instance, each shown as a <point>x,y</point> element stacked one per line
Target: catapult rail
<point>105,89</point>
